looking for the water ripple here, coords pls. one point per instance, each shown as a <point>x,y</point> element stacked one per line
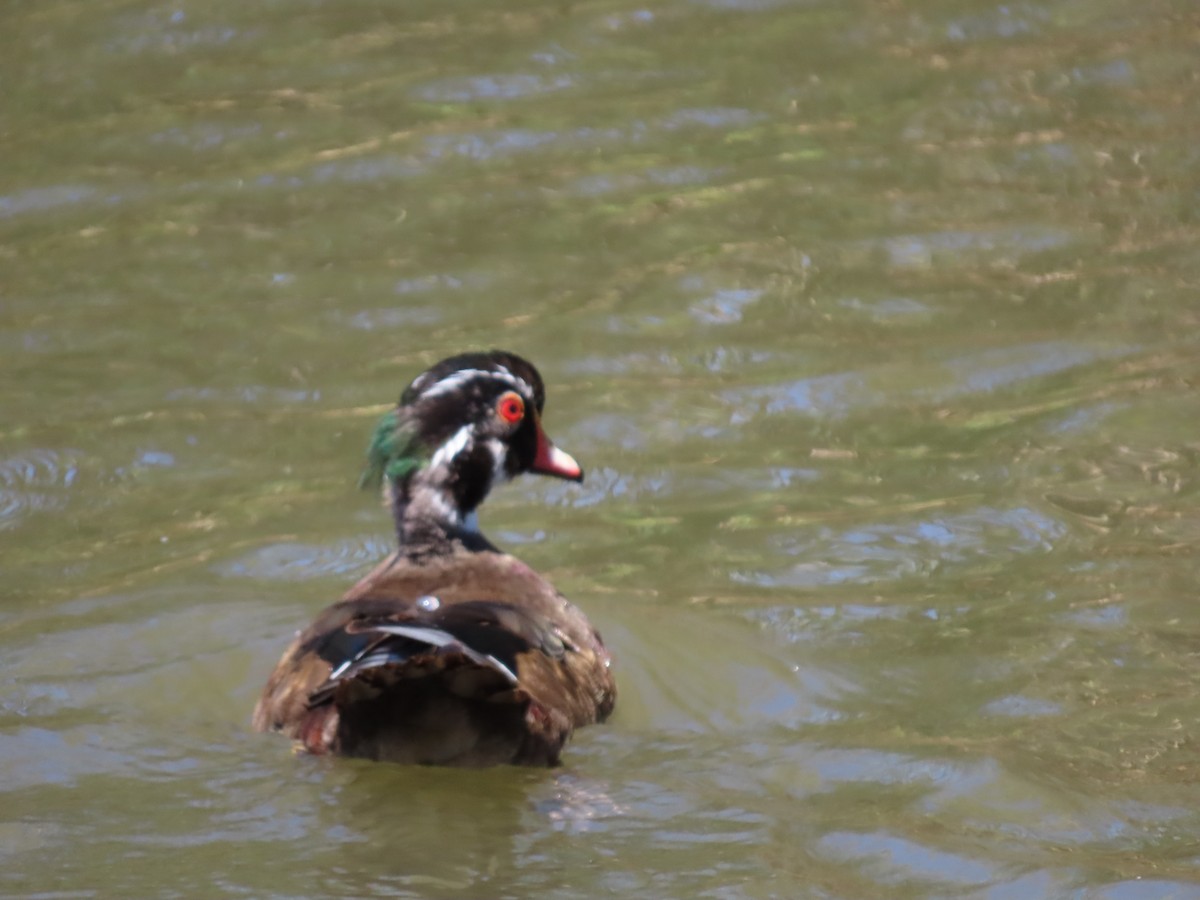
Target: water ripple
<point>600,485</point>
<point>251,393</point>
<point>1019,706</point>
<point>601,183</point>
<point>206,136</point>
<point>711,117</point>
<point>839,393</point>
<point>389,317</point>
<point>492,87</point>
<point>745,6</point>
<point>899,860</point>
<point>35,482</point>
<point>993,369</point>
<point>1001,22</point>
<point>879,552</point>
<point>966,248</point>
<point>887,309</point>
<point>834,394</point>
<point>657,364</point>
<point>579,806</point>
<point>498,143</point>
<point>293,561</point>
<point>41,756</point>
<point>366,170</point>
<point>154,32</point>
<point>724,307</point>
<point>46,198</point>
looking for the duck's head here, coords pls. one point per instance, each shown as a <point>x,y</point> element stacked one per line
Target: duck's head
<point>463,426</point>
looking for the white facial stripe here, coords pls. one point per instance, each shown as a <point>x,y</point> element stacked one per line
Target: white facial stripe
<point>445,453</point>
<point>455,379</point>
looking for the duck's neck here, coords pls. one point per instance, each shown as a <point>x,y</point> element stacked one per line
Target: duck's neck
<point>429,521</point>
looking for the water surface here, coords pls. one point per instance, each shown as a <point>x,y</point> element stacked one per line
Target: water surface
<point>874,325</point>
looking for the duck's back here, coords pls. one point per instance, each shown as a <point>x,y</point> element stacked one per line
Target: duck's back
<point>470,658</point>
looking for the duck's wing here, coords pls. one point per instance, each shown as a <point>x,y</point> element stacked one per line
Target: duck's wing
<point>474,680</point>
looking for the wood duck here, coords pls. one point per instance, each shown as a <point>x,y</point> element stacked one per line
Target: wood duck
<point>450,651</point>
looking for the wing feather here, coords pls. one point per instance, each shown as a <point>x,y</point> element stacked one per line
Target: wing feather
<point>473,633</point>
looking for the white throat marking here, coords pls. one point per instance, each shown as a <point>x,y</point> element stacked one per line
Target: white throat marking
<point>455,445</point>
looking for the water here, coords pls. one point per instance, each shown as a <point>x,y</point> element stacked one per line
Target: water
<point>874,325</point>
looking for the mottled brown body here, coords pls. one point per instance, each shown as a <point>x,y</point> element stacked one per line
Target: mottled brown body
<point>440,707</point>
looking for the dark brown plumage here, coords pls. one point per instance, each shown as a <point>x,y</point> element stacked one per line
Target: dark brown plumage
<point>450,651</point>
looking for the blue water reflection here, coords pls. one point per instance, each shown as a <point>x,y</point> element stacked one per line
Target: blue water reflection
<point>294,561</point>
<point>878,551</point>
<point>983,372</point>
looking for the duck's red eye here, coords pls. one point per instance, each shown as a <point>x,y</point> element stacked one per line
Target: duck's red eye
<point>511,408</point>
